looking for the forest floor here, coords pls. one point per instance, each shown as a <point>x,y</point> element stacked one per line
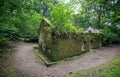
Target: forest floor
<point>25,60</point>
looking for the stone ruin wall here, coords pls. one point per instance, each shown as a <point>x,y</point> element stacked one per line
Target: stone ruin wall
<point>58,45</point>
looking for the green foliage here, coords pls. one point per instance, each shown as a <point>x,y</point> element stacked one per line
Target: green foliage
<point>70,28</point>
<point>60,15</point>
<point>18,19</point>
<point>102,14</point>
<point>62,18</point>
<point>31,25</point>
<point>8,30</point>
<point>110,36</point>
<point>22,18</point>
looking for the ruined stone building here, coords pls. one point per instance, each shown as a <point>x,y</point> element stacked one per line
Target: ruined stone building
<point>56,45</point>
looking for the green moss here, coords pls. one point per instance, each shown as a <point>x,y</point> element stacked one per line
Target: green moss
<point>45,19</point>
<point>43,58</point>
<point>6,67</point>
<point>55,56</point>
<point>49,63</point>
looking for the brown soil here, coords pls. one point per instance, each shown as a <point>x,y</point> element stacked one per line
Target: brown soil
<point>27,61</point>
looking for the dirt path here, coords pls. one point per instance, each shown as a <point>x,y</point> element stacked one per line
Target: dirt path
<point>26,61</point>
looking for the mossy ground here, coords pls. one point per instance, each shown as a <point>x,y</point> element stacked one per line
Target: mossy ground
<point>49,63</point>
<point>6,67</point>
<point>111,69</point>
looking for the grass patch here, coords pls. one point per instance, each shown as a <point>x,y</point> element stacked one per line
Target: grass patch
<point>111,69</point>
<point>6,67</point>
<point>48,63</point>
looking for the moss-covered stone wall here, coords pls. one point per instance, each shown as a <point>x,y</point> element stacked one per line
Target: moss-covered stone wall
<point>56,45</point>
<point>68,47</point>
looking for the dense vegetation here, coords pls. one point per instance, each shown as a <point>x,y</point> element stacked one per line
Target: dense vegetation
<point>22,18</point>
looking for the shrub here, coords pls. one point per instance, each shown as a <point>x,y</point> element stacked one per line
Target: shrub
<point>110,37</point>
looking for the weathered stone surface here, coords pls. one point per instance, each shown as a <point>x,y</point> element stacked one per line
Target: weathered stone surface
<point>56,45</point>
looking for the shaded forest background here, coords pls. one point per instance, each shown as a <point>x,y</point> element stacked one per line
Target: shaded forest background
<point>21,18</point>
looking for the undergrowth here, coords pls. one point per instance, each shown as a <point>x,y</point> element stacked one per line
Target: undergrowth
<point>111,69</point>
<point>6,67</point>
